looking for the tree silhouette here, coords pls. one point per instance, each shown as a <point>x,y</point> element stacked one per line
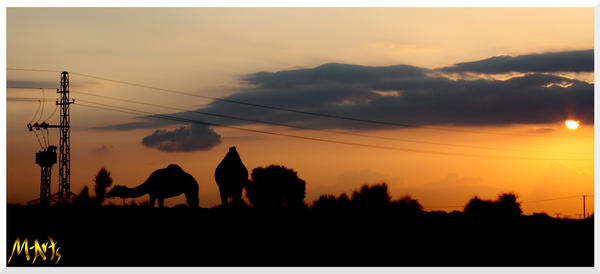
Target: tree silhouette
<point>407,205</point>
<point>103,181</point>
<point>508,205</point>
<point>324,202</point>
<point>276,187</point>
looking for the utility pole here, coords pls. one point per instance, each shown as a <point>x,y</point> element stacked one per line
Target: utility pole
<point>583,206</point>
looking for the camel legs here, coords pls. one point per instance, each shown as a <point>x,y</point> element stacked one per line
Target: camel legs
<point>224,198</point>
<point>161,202</point>
<point>192,199</point>
<point>236,198</point>
<point>152,199</point>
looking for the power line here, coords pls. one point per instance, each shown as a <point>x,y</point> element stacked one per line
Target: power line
<point>524,202</point>
<point>554,199</point>
<point>43,104</point>
<point>51,114</point>
<point>258,121</point>
<point>173,118</point>
<point>36,111</point>
<point>48,136</point>
<point>45,135</point>
<point>317,129</point>
<point>326,115</point>
<point>38,139</point>
<point>44,132</point>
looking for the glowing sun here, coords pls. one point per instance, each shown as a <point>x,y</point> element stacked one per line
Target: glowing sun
<point>572,124</point>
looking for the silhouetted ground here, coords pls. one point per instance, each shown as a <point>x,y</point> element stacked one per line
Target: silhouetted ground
<point>139,236</point>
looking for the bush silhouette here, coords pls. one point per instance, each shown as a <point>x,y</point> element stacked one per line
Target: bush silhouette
<point>370,197</point>
<point>367,198</point>
<point>103,181</point>
<point>330,202</point>
<point>276,187</point>
<point>83,199</point>
<point>505,206</point>
<point>478,207</point>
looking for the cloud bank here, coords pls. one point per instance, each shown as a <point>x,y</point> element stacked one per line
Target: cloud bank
<point>405,94</point>
<point>572,61</point>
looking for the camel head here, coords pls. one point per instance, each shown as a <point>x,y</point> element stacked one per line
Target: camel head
<point>116,191</point>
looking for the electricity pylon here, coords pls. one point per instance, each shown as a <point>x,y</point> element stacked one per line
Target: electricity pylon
<point>64,161</point>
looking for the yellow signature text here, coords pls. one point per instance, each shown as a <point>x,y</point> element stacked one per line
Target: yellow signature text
<point>43,250</point>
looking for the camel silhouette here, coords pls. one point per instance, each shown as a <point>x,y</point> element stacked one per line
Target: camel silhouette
<point>162,183</point>
<point>231,176</point>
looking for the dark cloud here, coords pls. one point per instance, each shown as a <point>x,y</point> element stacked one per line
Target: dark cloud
<point>31,84</point>
<point>183,139</point>
<point>103,148</point>
<point>49,85</point>
<point>406,94</point>
<point>419,99</point>
<point>572,61</point>
<point>541,130</point>
<point>150,123</point>
<point>334,73</point>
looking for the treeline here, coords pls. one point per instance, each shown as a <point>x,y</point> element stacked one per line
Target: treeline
<point>275,226</point>
<point>278,187</point>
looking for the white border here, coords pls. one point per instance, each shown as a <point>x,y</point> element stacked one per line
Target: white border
<point>299,3</point>
<point>291,3</point>
<point>3,190</point>
<point>304,270</point>
<point>596,139</point>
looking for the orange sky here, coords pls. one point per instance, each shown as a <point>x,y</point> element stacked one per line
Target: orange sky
<point>206,51</point>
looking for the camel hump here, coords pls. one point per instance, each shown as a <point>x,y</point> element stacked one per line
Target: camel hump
<point>174,167</point>
<point>231,165</point>
<point>233,155</point>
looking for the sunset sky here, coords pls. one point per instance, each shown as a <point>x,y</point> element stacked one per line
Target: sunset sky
<point>489,89</point>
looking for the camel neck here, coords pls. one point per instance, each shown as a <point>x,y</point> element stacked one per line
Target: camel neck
<point>136,191</point>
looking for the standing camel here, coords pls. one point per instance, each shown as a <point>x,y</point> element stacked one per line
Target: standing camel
<point>231,176</point>
<point>162,183</point>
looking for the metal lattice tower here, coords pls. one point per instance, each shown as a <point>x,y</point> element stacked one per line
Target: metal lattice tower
<point>64,162</point>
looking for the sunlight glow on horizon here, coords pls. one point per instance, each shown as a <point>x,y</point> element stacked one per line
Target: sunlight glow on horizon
<point>572,124</point>
<point>208,51</point>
